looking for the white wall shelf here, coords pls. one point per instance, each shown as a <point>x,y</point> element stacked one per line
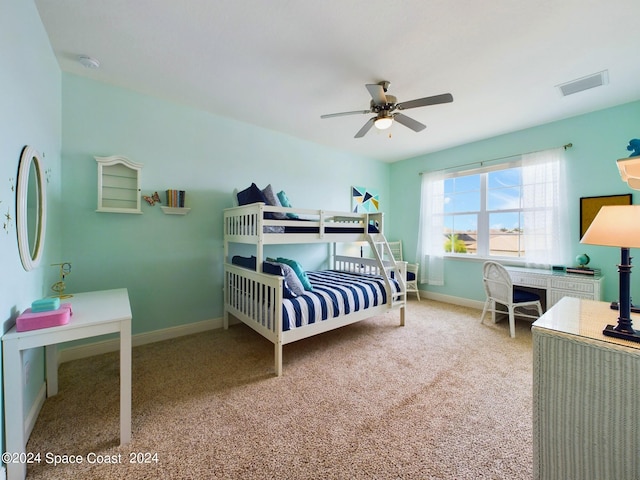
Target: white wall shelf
<point>118,185</point>
<point>175,210</point>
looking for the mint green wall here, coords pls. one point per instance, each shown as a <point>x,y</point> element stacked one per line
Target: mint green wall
<point>599,139</point>
<point>30,109</point>
<point>172,265</point>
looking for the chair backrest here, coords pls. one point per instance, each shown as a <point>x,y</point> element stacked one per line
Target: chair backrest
<point>396,250</point>
<point>497,282</point>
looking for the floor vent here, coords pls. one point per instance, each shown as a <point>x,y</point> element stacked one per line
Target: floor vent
<point>584,83</point>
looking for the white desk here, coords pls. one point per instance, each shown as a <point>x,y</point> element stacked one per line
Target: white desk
<point>94,313</point>
<point>585,395</point>
<point>557,285</point>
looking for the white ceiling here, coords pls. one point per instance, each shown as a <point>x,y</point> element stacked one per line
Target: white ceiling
<point>281,64</point>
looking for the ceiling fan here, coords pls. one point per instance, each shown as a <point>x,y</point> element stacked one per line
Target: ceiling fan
<point>384,107</point>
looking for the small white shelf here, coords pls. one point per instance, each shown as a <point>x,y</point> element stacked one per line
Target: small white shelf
<point>175,210</point>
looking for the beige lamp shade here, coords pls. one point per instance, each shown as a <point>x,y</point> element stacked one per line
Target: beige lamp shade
<point>629,169</point>
<point>615,226</point>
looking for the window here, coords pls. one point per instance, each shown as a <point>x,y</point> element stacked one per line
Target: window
<point>515,210</point>
<point>483,213</point>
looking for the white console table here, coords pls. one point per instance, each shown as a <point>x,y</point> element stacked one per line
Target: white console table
<point>93,314</point>
<point>585,395</point>
<point>557,284</point>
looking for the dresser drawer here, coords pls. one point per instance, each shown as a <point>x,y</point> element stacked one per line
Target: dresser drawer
<point>528,280</point>
<point>573,285</point>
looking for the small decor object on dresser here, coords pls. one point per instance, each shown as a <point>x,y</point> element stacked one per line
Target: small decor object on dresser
<point>583,260</point>
<point>30,320</point>
<point>59,287</point>
<point>634,147</point>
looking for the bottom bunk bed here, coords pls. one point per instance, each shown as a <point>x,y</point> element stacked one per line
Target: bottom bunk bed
<point>353,291</point>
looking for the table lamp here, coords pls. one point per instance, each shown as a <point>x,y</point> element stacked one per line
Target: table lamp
<point>618,226</point>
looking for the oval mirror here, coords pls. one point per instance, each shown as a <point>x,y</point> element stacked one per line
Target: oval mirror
<point>31,208</point>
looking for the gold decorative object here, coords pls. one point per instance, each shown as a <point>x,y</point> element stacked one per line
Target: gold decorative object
<point>59,286</point>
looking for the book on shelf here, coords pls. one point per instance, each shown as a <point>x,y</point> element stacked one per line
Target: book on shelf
<point>583,271</point>
<point>175,198</point>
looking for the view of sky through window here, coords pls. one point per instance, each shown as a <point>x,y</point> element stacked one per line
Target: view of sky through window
<point>489,202</point>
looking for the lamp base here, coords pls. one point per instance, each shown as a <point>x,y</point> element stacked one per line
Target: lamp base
<point>610,331</point>
<point>634,309</point>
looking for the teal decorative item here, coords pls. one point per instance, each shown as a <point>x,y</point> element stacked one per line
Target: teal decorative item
<point>634,147</point>
<point>583,260</point>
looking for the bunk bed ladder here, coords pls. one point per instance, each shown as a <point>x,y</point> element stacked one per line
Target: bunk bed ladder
<point>388,265</point>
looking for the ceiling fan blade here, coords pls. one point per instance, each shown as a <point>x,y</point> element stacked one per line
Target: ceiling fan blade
<point>423,102</point>
<point>377,93</point>
<point>414,125</point>
<point>367,126</point>
<point>330,115</point>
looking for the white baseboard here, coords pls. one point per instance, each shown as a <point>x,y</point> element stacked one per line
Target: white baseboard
<point>32,416</point>
<point>106,346</point>
<point>464,302</point>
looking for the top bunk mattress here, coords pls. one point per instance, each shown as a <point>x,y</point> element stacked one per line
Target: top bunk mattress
<point>249,222</point>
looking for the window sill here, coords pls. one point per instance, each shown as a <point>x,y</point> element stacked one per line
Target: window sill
<point>508,261</point>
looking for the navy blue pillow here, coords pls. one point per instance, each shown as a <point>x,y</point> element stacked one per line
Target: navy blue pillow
<point>251,195</point>
<point>246,262</point>
<point>267,267</point>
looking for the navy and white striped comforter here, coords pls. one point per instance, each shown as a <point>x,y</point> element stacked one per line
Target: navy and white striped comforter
<point>334,294</point>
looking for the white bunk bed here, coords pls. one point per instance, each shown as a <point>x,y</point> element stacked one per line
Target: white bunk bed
<point>257,298</point>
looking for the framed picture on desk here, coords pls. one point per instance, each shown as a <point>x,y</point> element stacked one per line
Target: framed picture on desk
<point>590,206</point>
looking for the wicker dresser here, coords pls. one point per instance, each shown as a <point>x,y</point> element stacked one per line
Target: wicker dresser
<point>586,395</point>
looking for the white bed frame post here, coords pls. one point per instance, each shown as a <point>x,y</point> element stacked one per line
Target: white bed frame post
<point>225,294</point>
<point>277,345</point>
<point>260,243</point>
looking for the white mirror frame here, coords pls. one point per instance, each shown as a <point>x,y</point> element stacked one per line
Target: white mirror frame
<point>29,159</point>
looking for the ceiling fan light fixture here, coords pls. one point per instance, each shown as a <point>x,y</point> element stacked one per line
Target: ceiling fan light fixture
<point>382,123</point>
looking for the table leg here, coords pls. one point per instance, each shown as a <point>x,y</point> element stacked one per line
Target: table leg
<point>125,382</point>
<point>14,408</point>
<point>51,369</point>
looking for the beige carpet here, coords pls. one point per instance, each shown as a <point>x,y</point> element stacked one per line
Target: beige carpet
<point>441,398</point>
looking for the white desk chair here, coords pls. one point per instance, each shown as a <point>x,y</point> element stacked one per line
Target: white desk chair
<point>499,289</point>
<point>412,269</point>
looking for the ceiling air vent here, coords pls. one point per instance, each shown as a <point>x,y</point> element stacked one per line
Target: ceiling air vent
<point>584,83</point>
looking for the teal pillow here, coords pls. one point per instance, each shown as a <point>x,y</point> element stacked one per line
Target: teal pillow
<point>284,201</point>
<point>299,272</point>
